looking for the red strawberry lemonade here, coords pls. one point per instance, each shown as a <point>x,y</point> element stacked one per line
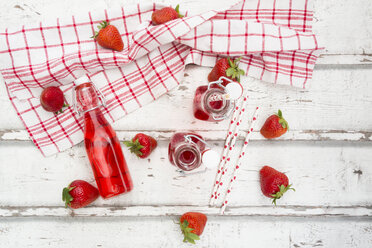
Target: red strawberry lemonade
<point>184,154</point>
<point>207,109</point>
<point>101,143</point>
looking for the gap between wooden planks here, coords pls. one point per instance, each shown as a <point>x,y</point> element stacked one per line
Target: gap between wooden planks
<point>293,135</point>
<point>128,211</point>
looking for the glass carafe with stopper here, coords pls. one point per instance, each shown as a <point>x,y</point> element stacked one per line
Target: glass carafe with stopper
<point>188,151</point>
<point>101,143</point>
<point>215,102</point>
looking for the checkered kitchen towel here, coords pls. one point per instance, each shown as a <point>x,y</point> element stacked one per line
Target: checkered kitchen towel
<point>274,37</point>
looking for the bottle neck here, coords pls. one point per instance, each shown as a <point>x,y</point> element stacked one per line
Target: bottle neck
<point>215,107</point>
<point>187,156</point>
<point>86,98</point>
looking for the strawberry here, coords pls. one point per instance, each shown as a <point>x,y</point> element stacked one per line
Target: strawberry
<point>108,36</point>
<point>274,126</point>
<point>166,14</point>
<point>273,183</point>
<point>192,226</point>
<point>79,194</point>
<point>226,68</point>
<point>52,99</point>
<point>142,145</point>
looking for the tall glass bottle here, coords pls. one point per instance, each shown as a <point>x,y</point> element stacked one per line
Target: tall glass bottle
<point>101,143</point>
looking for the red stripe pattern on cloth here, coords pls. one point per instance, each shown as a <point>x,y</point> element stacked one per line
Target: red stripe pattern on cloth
<point>273,37</point>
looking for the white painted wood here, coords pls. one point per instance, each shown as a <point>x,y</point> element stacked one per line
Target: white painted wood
<point>326,154</point>
<point>338,99</point>
<point>164,232</point>
<point>155,211</point>
<point>344,59</point>
<point>303,135</point>
<point>323,175</point>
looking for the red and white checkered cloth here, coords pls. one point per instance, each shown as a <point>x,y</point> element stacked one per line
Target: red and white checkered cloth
<point>274,37</point>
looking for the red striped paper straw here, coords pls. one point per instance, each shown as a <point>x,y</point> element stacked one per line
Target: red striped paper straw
<point>238,164</point>
<point>232,135</point>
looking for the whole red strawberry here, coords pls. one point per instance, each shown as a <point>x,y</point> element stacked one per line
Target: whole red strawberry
<point>142,145</point>
<point>273,183</point>
<point>108,36</point>
<point>226,68</point>
<point>165,15</point>
<point>192,226</point>
<point>52,99</point>
<point>79,194</point>
<point>274,126</point>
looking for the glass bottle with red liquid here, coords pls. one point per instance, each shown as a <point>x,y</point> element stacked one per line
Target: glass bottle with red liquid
<point>101,143</point>
<point>188,151</point>
<point>215,102</point>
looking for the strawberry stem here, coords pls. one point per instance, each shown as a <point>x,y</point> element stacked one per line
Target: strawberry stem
<point>134,147</point>
<point>234,71</point>
<point>280,193</point>
<point>282,121</point>
<point>66,196</point>
<point>100,26</point>
<point>177,9</point>
<point>188,235</point>
<point>61,110</point>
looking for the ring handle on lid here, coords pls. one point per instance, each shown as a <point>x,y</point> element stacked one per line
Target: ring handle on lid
<point>189,136</point>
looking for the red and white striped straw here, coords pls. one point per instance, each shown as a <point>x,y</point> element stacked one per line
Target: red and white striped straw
<point>238,164</point>
<point>232,135</point>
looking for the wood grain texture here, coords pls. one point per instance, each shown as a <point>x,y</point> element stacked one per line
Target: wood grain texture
<point>324,176</point>
<point>338,99</point>
<point>326,154</point>
<point>164,232</point>
<point>161,210</point>
<point>302,135</point>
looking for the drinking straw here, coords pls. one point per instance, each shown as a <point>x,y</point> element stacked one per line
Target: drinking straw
<point>232,135</point>
<point>238,164</point>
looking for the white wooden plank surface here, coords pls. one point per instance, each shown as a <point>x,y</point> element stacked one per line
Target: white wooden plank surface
<point>327,155</point>
<point>334,94</point>
<point>324,177</point>
<point>163,232</point>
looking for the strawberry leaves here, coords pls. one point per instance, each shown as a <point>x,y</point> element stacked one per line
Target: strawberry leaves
<point>66,197</point>
<point>280,193</point>
<point>61,110</point>
<point>134,147</point>
<point>282,121</point>
<point>234,71</point>
<point>177,9</point>
<point>188,235</point>
<point>100,26</point>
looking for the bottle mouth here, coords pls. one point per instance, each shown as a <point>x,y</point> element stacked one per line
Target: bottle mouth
<point>86,96</point>
<point>218,108</point>
<point>187,157</point>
